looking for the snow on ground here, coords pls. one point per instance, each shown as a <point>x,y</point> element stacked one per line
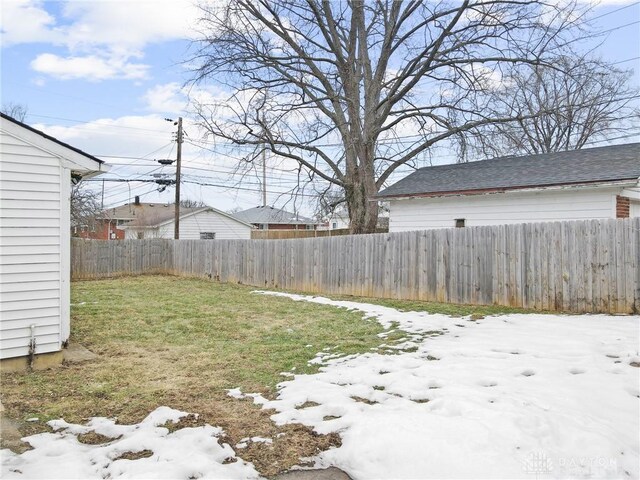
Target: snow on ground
<point>185,453</point>
<point>512,396</point>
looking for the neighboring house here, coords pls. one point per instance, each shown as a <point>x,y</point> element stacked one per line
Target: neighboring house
<point>36,172</point>
<point>583,184</point>
<point>339,219</point>
<point>107,226</point>
<point>156,220</point>
<point>271,218</point>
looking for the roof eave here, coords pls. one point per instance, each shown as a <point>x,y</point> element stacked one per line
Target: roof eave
<point>527,188</point>
<point>74,158</point>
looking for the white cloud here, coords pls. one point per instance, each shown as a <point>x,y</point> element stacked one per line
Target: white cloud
<point>117,24</point>
<point>168,97</point>
<point>90,67</point>
<point>25,21</point>
<point>129,135</point>
<point>101,37</point>
<point>127,24</point>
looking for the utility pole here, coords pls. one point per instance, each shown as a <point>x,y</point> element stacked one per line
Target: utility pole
<point>176,232</point>
<point>264,177</point>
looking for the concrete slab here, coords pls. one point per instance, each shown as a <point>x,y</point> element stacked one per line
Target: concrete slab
<point>76,353</point>
<point>331,473</point>
<point>41,361</point>
<point>10,435</point>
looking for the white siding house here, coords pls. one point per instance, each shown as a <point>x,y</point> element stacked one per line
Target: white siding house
<point>585,184</point>
<point>35,187</point>
<point>199,223</point>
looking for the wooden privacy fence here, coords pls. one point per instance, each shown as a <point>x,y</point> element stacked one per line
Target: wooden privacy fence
<point>285,234</point>
<point>582,266</point>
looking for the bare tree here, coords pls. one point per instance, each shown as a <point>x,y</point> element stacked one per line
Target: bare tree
<point>189,203</point>
<point>85,206</point>
<point>355,90</point>
<point>563,107</point>
<point>15,110</point>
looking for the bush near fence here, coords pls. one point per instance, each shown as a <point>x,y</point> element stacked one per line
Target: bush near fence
<point>581,266</point>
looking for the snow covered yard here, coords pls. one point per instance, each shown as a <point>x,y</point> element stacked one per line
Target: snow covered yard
<point>514,396</point>
<point>511,396</point>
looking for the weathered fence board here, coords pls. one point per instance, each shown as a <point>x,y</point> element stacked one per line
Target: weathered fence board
<point>582,266</point>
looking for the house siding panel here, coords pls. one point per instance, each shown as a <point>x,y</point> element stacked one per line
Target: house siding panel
<point>502,208</point>
<point>30,264</point>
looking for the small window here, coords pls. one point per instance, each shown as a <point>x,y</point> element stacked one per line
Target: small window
<point>140,235</point>
<point>459,222</point>
<point>335,225</point>
<point>207,235</point>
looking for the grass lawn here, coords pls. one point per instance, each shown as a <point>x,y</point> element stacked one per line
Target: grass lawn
<point>181,342</point>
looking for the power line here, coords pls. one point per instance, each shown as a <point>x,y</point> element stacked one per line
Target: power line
<point>613,11</point>
<point>625,61</point>
<point>217,185</point>
<point>95,122</point>
<point>617,28</point>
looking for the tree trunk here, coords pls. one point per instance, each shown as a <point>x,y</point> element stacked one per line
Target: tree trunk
<point>363,209</point>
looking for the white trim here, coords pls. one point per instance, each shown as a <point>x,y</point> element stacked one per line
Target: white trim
<point>65,254</point>
<point>582,186</point>
<point>631,194</point>
<point>70,158</point>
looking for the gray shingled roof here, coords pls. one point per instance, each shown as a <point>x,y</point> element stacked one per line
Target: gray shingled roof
<point>601,164</point>
<point>271,215</point>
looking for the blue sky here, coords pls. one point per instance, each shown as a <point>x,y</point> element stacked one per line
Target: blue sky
<point>102,75</point>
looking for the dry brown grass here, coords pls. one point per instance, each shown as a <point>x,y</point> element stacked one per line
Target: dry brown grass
<point>181,343</point>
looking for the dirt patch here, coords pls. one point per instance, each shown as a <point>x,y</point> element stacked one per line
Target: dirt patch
<point>308,404</point>
<point>241,419</point>
<point>364,400</point>
<point>93,438</point>
<point>190,421</point>
<point>134,455</point>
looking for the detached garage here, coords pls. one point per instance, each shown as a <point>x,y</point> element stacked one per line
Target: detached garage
<point>592,183</point>
<point>36,172</point>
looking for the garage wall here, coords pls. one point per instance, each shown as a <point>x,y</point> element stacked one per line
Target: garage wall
<point>502,208</point>
<point>30,253</point>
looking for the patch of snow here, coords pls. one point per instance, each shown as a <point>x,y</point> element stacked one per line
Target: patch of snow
<point>61,455</point>
<point>237,393</point>
<point>33,419</point>
<point>268,441</point>
<point>513,396</point>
